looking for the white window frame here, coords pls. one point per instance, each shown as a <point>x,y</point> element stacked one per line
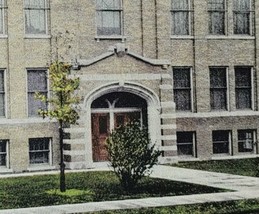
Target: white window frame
<point>46,11</point>
<point>3,8</point>
<point>6,153</point>
<point>191,87</point>
<point>50,158</point>
<point>190,20</point>
<point>193,143</point>
<point>252,88</point>
<point>251,19</point>
<point>229,143</point>
<point>225,19</point>
<point>112,36</point>
<point>253,131</point>
<point>27,88</point>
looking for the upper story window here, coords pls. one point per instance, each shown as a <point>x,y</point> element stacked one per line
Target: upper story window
<point>243,14</point>
<point>36,16</point>
<point>109,17</point>
<point>2,94</point>
<point>37,82</point>
<point>218,89</point>
<point>2,16</point>
<point>182,89</point>
<point>216,10</point>
<point>181,17</point>
<point>243,80</point>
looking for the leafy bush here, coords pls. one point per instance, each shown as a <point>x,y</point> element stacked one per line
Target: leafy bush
<point>131,154</point>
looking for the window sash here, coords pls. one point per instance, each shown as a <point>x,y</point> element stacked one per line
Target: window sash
<point>181,17</point>
<point>36,16</point>
<point>3,153</point>
<point>39,150</point>
<point>185,143</point>
<point>37,82</point>
<point>217,22</point>
<point>242,16</point>
<point>221,142</point>
<point>246,143</point>
<point>109,17</point>
<point>243,88</point>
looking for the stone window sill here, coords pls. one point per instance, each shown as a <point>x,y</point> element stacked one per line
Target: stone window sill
<point>3,36</point>
<point>232,37</point>
<point>4,170</point>
<point>112,37</point>
<point>182,37</point>
<point>39,167</point>
<point>35,36</point>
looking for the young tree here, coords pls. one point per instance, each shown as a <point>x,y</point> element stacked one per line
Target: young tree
<point>62,103</point>
<point>131,153</point>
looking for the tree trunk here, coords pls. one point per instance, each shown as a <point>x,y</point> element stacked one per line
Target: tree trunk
<point>62,164</point>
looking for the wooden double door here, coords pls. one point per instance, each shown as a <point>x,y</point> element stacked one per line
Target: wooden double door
<point>103,124</point>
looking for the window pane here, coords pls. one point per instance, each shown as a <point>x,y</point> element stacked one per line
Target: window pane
<point>218,78</point>
<point>218,99</point>
<point>180,23</point>
<point>180,4</point>
<point>1,20</point>
<point>220,135</point>
<point>34,105</point>
<point>2,105</point>
<point>182,78</point>
<point>242,5</point>
<point>108,23</point>
<point>217,23</point>
<point>37,81</point>
<point>108,4</point>
<point>2,146</point>
<point>2,81</point>
<point>182,99</point>
<point>185,143</point>
<point>242,23</point>
<point>243,99</point>
<point>243,77</point>
<point>35,21</point>
<point>216,5</point>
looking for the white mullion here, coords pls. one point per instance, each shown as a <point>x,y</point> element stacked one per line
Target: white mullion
<point>252,90</point>
<point>228,89</point>
<point>50,152</point>
<point>192,90</point>
<point>193,144</point>
<point>230,143</point>
<point>7,155</point>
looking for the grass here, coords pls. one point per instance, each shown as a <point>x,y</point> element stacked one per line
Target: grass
<point>246,167</point>
<point>230,207</point>
<point>86,186</point>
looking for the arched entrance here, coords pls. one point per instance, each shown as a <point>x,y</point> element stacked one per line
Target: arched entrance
<point>147,101</point>
<point>110,111</point>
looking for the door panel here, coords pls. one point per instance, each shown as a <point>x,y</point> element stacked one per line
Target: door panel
<point>100,131</point>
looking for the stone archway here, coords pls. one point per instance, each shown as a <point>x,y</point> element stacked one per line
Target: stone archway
<point>147,104</point>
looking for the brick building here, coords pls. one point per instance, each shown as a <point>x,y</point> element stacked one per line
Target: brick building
<point>186,68</point>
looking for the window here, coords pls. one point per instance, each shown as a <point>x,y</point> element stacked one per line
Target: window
<point>37,82</point>
<point>216,9</point>
<point>109,17</point>
<point>182,89</point>
<point>185,143</point>
<point>221,142</point>
<point>39,150</point>
<point>218,89</point>
<point>181,17</point>
<point>36,14</point>
<point>243,88</point>
<point>2,94</point>
<point>246,140</point>
<point>242,16</point>
<point>3,153</point>
<point>2,16</point>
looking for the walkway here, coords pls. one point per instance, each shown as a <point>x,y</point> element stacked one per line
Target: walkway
<point>245,187</point>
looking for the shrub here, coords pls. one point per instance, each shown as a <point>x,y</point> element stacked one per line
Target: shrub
<point>131,153</point>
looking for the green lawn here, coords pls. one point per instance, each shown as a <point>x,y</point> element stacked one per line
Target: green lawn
<point>231,207</point>
<point>95,186</point>
<point>247,167</point>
